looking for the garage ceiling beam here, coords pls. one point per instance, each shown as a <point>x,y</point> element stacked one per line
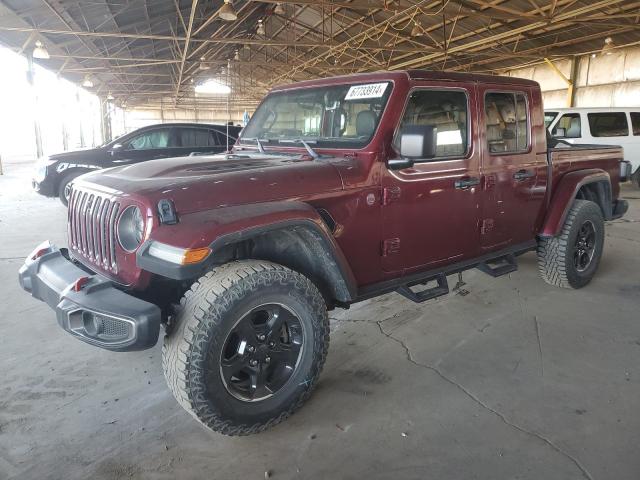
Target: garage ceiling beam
<point>185,49</point>
<point>213,40</point>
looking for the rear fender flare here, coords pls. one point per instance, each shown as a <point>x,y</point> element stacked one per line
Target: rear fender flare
<point>567,191</point>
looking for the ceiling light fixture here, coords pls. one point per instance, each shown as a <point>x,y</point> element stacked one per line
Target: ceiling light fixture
<point>236,56</point>
<point>227,12</point>
<point>203,66</point>
<point>87,82</point>
<point>260,30</point>
<point>608,47</point>
<point>417,30</point>
<point>40,51</point>
<point>110,97</point>
<point>279,10</point>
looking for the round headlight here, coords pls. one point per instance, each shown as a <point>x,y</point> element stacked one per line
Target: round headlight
<point>131,228</point>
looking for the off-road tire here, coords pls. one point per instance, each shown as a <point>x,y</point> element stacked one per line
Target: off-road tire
<point>208,312</point>
<point>62,187</point>
<point>556,254</point>
<point>635,178</point>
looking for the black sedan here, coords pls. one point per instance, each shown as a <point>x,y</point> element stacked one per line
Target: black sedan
<point>55,173</point>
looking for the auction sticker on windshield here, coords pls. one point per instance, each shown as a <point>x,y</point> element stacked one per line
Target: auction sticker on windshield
<point>372,90</point>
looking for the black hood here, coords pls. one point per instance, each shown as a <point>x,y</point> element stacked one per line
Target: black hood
<point>93,156</point>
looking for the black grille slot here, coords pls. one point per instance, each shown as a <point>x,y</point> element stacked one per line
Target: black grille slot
<point>92,230</point>
<point>110,327</point>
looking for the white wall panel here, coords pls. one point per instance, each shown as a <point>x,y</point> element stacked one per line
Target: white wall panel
<point>605,69</point>
<point>601,81</point>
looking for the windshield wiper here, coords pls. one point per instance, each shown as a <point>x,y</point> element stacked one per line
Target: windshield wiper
<point>310,150</point>
<point>259,144</point>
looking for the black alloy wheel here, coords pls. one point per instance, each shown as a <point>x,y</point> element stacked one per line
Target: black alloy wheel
<point>261,352</point>
<point>585,246</point>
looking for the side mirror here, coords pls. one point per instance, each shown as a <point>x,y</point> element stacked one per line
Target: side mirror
<point>418,141</point>
<point>115,148</point>
<point>559,132</point>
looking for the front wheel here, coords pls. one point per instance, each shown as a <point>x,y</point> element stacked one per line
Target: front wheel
<point>64,189</point>
<point>570,259</point>
<point>247,347</point>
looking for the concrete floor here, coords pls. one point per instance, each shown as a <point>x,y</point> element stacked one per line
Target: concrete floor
<point>514,380</point>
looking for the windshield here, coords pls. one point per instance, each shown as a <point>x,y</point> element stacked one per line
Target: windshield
<point>344,116</point>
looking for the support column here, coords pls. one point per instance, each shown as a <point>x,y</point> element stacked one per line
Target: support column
<point>36,116</point>
<point>105,112</point>
<point>568,81</point>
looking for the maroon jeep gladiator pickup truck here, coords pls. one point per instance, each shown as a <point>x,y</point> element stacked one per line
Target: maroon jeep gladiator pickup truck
<point>338,190</point>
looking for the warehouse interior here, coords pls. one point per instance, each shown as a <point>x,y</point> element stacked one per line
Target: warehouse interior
<point>500,378</point>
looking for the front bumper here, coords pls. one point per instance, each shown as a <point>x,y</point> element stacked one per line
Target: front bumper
<point>43,187</point>
<point>87,305</point>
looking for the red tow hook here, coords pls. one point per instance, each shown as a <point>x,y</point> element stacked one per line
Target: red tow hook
<point>80,283</point>
<point>39,253</point>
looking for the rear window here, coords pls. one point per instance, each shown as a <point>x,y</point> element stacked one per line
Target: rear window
<point>608,124</point>
<point>635,122</point>
<point>197,137</point>
<point>506,122</point>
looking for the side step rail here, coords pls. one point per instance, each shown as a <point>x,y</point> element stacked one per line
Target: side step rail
<point>497,267</point>
<point>442,288</point>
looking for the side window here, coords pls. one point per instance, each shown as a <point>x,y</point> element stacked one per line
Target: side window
<point>446,111</point>
<point>507,122</point>
<point>569,126</point>
<point>635,122</point>
<point>197,137</point>
<point>222,138</point>
<point>549,117</point>
<point>158,138</point>
<point>608,124</point>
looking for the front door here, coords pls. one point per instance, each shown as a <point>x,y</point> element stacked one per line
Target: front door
<point>514,167</point>
<point>151,144</point>
<point>430,211</point>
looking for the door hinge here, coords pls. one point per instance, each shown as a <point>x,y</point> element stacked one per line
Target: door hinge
<point>486,226</point>
<point>390,246</point>
<point>390,194</point>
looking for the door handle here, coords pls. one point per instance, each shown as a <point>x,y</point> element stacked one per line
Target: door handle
<point>523,174</point>
<point>466,182</point>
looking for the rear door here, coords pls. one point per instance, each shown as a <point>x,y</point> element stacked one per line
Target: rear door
<point>514,166</point>
<point>200,140</point>
<point>430,210</point>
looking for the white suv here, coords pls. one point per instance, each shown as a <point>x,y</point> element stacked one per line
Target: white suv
<point>608,126</point>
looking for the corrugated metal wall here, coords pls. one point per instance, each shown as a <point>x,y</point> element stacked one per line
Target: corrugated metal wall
<point>601,80</point>
<point>140,117</point>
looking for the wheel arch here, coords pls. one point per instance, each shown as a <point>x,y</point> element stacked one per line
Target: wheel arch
<point>592,184</point>
<point>291,233</point>
<point>303,245</point>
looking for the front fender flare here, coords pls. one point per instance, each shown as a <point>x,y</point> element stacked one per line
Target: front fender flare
<point>220,228</point>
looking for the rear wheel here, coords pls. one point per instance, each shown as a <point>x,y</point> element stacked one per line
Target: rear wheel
<point>247,348</point>
<point>570,259</point>
<point>635,178</point>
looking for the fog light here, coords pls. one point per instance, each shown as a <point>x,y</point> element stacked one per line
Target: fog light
<point>92,323</point>
<point>105,328</point>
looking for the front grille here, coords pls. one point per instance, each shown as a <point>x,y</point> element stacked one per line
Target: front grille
<point>92,227</point>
